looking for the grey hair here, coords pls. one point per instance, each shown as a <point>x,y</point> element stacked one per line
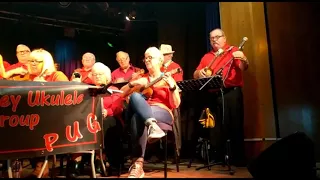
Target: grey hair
<point>106,70</point>
<point>22,45</point>
<point>121,52</point>
<point>156,53</point>
<point>89,54</point>
<point>218,29</point>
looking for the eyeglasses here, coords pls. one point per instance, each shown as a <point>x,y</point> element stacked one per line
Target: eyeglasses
<point>148,58</point>
<point>214,38</point>
<point>23,52</point>
<point>97,74</point>
<point>35,61</point>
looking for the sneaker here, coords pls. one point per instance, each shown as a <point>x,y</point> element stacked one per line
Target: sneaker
<point>154,133</point>
<point>136,171</point>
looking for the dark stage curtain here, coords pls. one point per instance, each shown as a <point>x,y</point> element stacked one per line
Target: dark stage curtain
<point>66,56</point>
<point>212,20</point>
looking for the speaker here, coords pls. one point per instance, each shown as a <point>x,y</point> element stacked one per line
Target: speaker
<point>291,157</point>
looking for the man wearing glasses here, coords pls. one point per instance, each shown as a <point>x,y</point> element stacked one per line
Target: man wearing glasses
<point>23,53</point>
<point>231,113</point>
<point>126,71</point>
<point>88,60</point>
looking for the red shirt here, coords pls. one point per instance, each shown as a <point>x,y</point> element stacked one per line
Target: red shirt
<point>114,104</point>
<point>173,65</point>
<point>232,71</point>
<point>160,95</point>
<point>119,73</point>
<point>6,64</point>
<point>84,75</point>
<point>15,66</point>
<point>55,76</point>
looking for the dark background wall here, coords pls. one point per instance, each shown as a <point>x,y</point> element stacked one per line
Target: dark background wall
<point>183,25</point>
<point>54,40</point>
<point>294,41</point>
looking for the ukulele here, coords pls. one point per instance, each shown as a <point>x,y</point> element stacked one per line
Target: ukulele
<point>207,69</point>
<point>146,90</point>
<point>139,73</point>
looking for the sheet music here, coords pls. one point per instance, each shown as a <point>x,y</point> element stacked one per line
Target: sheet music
<point>195,84</point>
<point>112,91</point>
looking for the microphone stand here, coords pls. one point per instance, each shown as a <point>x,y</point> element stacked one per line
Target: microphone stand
<point>227,154</point>
<point>219,73</point>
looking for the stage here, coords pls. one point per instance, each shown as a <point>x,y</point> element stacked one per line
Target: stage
<point>155,170</point>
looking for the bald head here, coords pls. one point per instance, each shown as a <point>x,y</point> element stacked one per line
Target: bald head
<point>88,59</point>
<point>123,59</point>
<point>23,53</point>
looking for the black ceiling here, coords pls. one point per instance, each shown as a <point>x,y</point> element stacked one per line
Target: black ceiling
<point>109,15</point>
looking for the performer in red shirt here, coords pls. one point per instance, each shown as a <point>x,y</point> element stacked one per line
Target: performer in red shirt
<point>126,71</point>
<point>20,68</point>
<point>41,68</point>
<point>168,63</point>
<point>233,98</point>
<point>88,60</point>
<point>112,125</point>
<point>144,114</point>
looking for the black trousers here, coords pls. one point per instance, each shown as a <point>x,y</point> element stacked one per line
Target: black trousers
<point>229,117</point>
<point>113,132</point>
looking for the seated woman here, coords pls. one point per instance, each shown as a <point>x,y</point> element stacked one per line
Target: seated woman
<point>112,125</point>
<point>144,114</point>
<point>112,109</point>
<point>41,68</point>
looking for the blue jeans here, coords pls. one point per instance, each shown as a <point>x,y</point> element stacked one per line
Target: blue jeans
<point>137,113</point>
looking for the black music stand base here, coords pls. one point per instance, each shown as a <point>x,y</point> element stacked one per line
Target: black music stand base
<point>225,163</point>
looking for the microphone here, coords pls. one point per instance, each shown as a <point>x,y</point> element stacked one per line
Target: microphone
<point>244,40</point>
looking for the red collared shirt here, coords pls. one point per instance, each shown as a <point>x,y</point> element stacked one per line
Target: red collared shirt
<point>15,66</point>
<point>6,64</point>
<point>173,65</point>
<point>232,71</point>
<point>114,104</point>
<point>119,73</point>
<point>84,75</point>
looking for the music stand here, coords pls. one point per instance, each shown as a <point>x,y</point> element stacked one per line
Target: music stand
<point>195,84</point>
<point>119,85</point>
<point>209,83</point>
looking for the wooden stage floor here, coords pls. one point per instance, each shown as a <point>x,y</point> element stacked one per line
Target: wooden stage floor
<point>155,170</point>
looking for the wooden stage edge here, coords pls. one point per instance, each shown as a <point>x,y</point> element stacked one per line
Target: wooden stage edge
<point>155,170</point>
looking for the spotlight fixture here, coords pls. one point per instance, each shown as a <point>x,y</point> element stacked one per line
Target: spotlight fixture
<point>127,18</point>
